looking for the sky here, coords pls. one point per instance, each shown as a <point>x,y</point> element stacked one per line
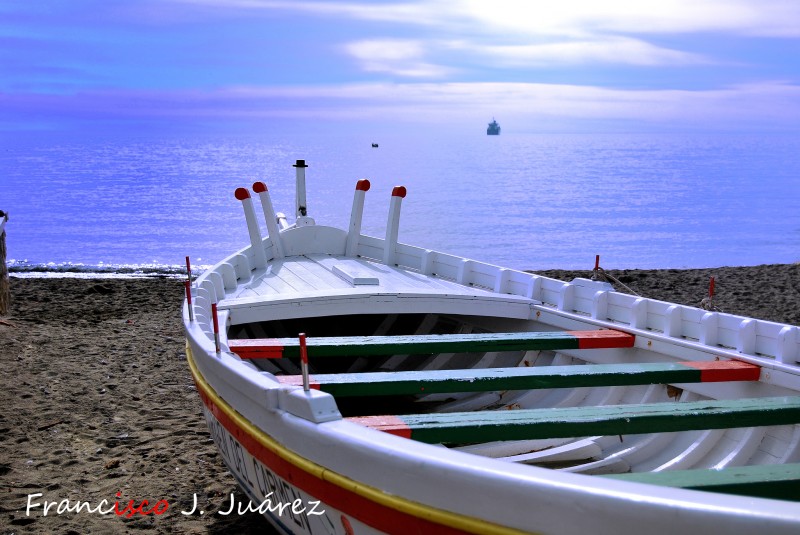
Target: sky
<point>570,65</point>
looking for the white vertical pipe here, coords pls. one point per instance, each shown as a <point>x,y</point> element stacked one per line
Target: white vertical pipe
<point>269,216</point>
<point>260,257</point>
<point>362,186</point>
<point>300,191</point>
<point>393,224</point>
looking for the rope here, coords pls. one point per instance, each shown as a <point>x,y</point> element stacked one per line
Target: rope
<point>602,274</point>
<point>707,303</point>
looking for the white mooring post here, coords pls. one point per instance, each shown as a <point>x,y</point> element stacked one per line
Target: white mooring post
<point>259,256</point>
<point>215,320</point>
<point>393,224</point>
<point>353,234</point>
<point>300,195</point>
<point>269,216</point>
<point>189,305</point>
<point>304,361</point>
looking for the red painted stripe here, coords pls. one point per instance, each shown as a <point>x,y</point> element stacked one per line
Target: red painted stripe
<point>256,354</point>
<point>603,339</point>
<point>303,352</point>
<point>725,370</point>
<point>378,516</point>
<point>391,424</point>
<point>256,349</point>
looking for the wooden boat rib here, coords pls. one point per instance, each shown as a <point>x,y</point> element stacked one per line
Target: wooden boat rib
<point>447,395</point>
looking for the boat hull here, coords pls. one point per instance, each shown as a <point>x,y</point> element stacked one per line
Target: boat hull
<point>311,470</point>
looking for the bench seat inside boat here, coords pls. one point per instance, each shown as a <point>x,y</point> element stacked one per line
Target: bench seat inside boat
<point>482,426</point>
<point>524,378</point>
<point>349,346</point>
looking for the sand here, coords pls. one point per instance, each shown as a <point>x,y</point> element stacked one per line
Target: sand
<point>97,398</point>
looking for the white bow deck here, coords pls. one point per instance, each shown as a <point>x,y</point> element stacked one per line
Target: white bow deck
<point>346,285</point>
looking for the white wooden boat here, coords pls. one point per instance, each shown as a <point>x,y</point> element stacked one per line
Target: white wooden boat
<point>451,396</point>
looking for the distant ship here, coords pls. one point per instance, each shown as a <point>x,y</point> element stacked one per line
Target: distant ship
<point>494,129</point>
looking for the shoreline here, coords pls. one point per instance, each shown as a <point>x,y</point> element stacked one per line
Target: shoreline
<point>99,399</point>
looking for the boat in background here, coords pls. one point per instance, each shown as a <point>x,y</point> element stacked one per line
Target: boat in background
<point>355,384</point>
<point>493,129</point>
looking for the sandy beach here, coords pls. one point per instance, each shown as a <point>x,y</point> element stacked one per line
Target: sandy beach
<point>97,398</point>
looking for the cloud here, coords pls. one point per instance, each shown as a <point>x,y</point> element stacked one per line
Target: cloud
<point>608,50</point>
<point>772,18</point>
<point>515,33</point>
<point>410,58</point>
<point>88,68</point>
<point>401,57</point>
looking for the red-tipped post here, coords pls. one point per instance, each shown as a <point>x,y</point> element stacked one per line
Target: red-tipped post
<point>270,218</point>
<point>711,288</point>
<point>304,361</point>
<point>356,214</point>
<point>188,285</point>
<point>597,262</point>
<point>256,244</point>
<point>188,269</point>
<point>216,325</point>
<point>393,225</point>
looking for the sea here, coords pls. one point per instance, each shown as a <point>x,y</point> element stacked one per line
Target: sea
<point>116,205</point>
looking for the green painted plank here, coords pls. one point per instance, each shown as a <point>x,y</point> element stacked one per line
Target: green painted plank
<point>482,426</point>
<point>488,379</point>
<point>351,346</point>
<point>780,481</point>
